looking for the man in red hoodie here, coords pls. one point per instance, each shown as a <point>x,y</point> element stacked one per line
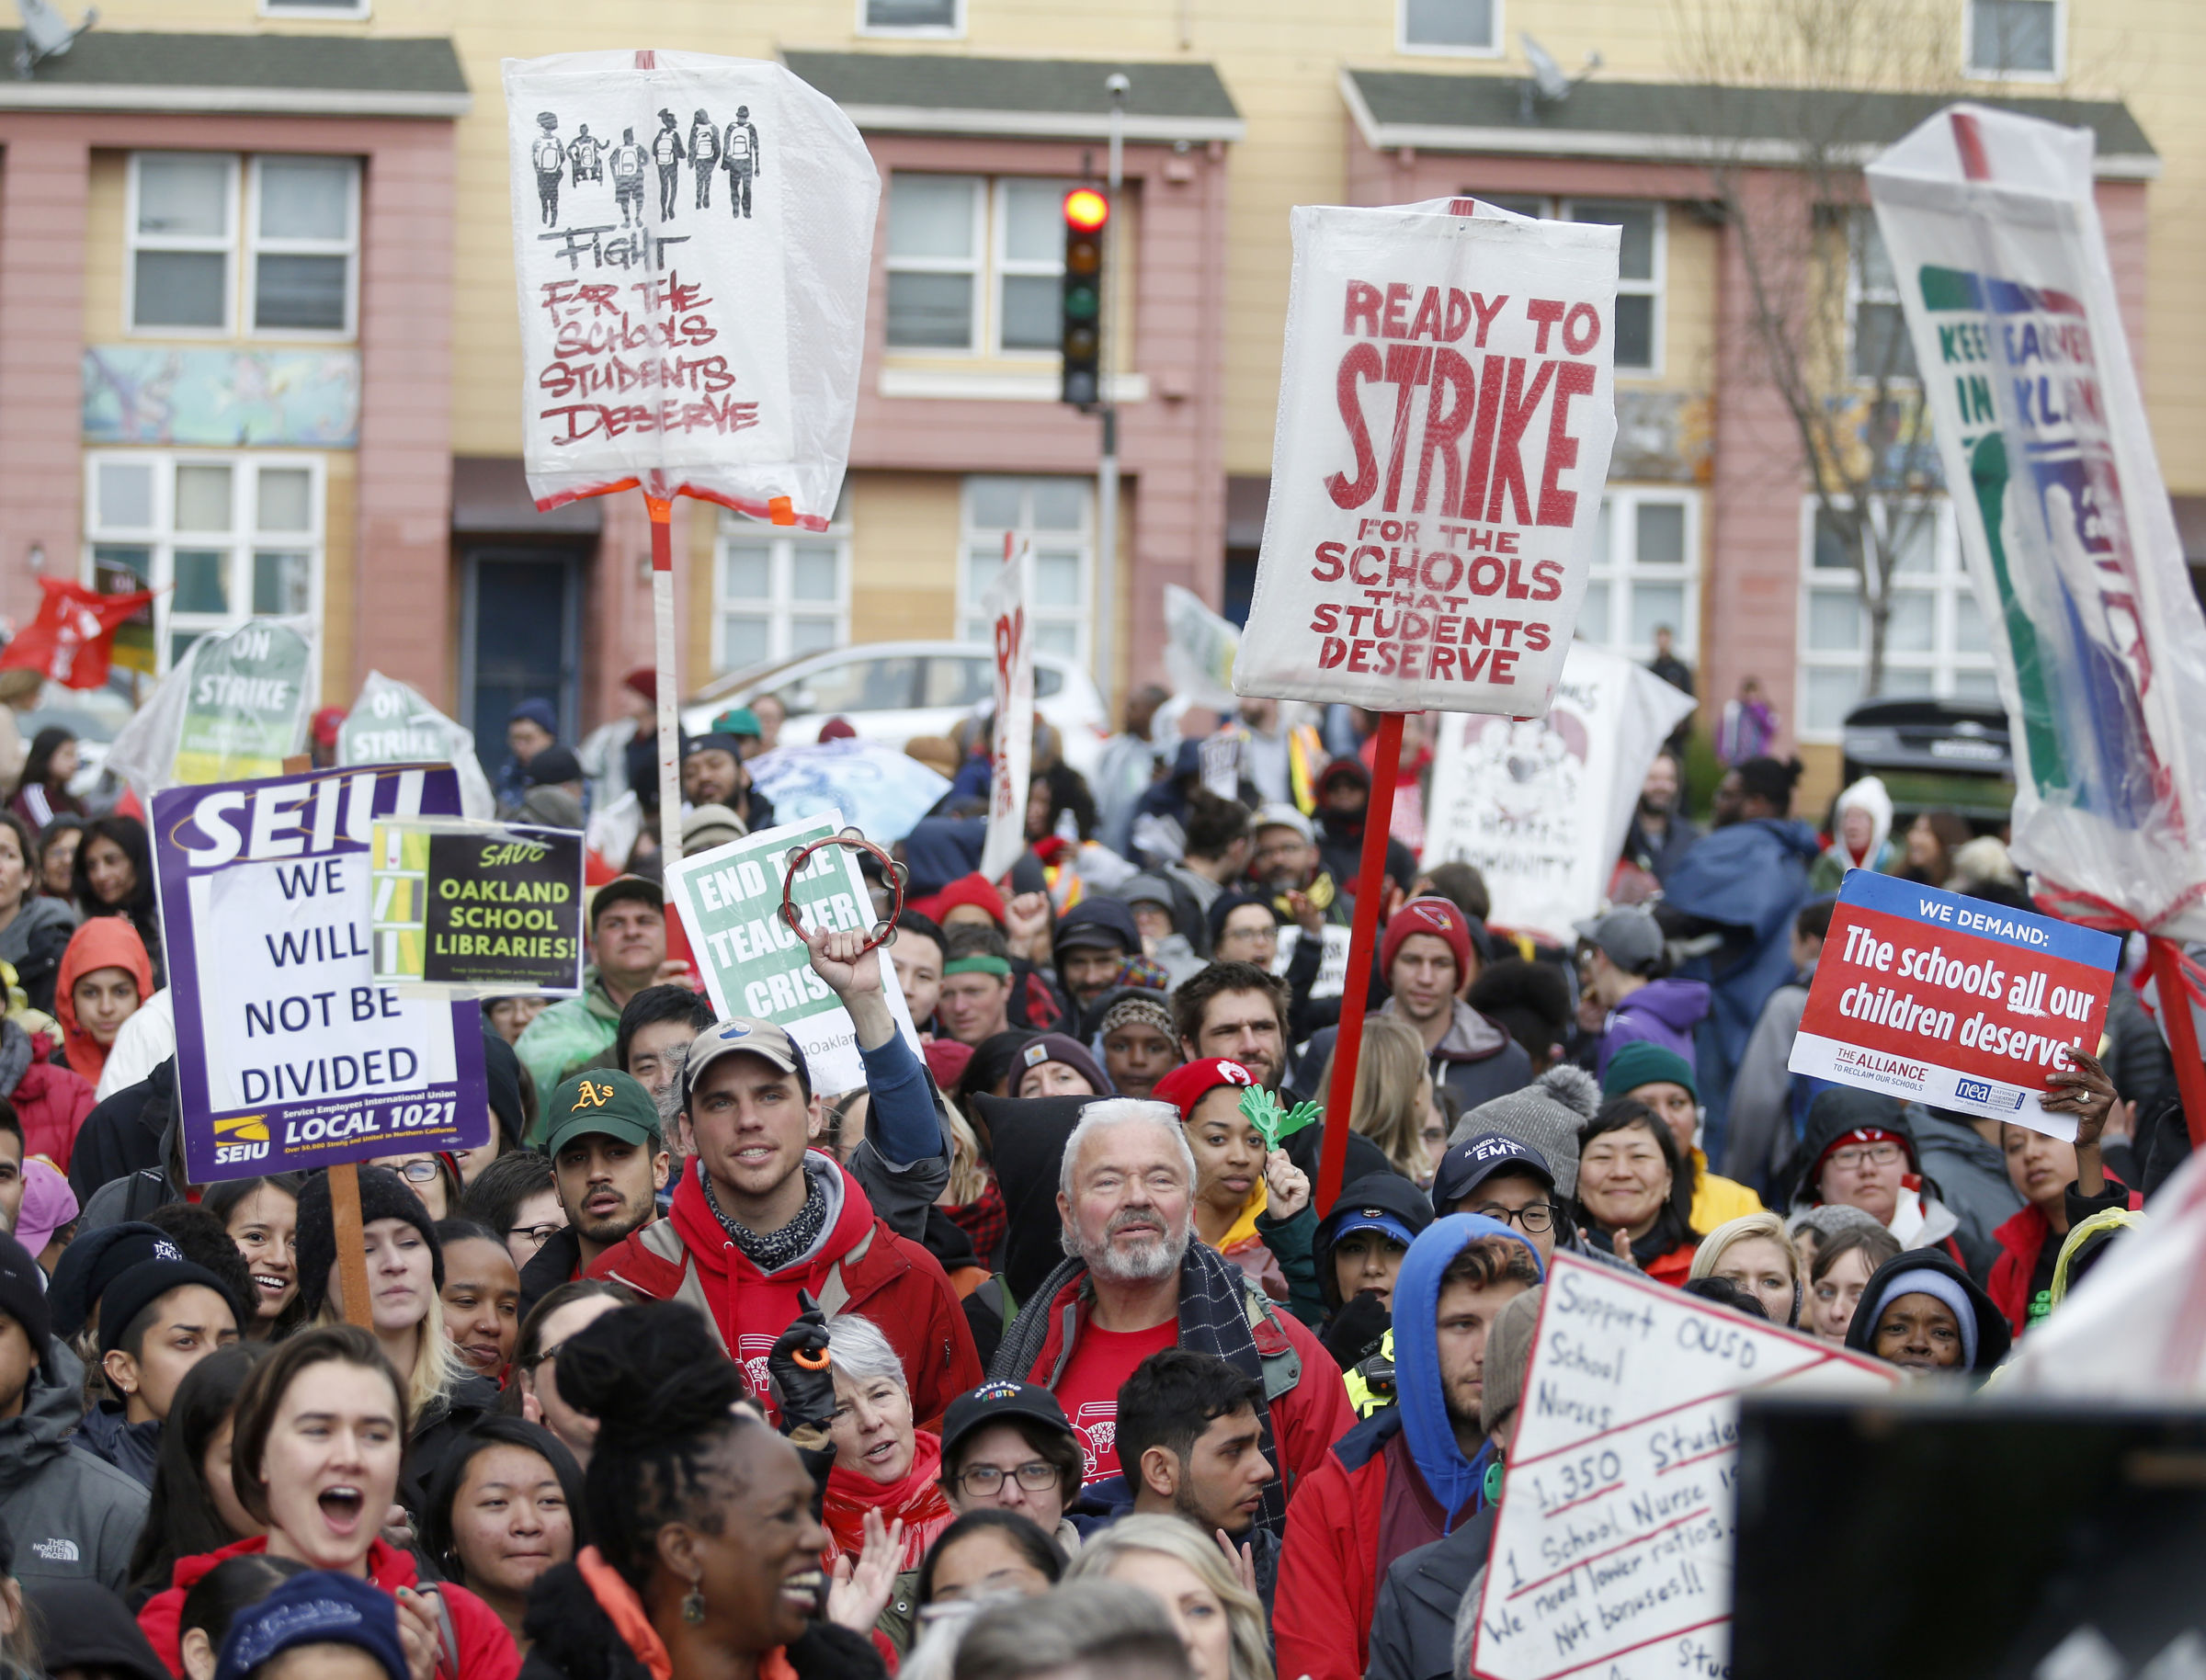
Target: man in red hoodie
<point>760,1216</point>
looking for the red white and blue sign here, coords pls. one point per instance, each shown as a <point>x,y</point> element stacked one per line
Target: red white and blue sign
<point>1953,1002</point>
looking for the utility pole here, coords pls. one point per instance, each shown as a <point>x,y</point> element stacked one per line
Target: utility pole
<point>1106,469</point>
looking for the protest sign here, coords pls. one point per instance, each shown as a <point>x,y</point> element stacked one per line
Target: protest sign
<point>476,909</point>
<point>754,964</point>
<point>693,239</point>
<point>880,790</point>
<point>392,723</point>
<point>1935,998</point>
<point>1332,967</point>
<point>1446,411</point>
<point>1200,646</point>
<point>72,639</point>
<point>1612,1551</point>
<point>1540,805</point>
<point>232,708</point>
<point>288,1055</point>
<point>2064,519</point>
<point>1003,609</point>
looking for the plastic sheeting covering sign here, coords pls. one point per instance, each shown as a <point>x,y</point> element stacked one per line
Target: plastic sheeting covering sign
<point>693,238</point>
<point>1006,604</point>
<point>2065,521</point>
<point>1446,413</point>
<point>1611,1555</point>
<point>1935,998</point>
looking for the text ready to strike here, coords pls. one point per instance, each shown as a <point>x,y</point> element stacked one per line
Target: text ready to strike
<point>1931,997</point>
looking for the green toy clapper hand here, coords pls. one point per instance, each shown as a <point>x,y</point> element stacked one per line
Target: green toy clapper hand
<point>1262,1110</point>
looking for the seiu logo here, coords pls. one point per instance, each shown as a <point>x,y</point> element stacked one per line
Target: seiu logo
<point>228,1154</point>
<point>1972,1091</point>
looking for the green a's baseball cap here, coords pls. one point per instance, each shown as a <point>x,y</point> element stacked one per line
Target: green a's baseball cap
<point>603,1103</point>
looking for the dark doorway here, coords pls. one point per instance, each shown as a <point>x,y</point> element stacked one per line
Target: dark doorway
<point>520,642</point>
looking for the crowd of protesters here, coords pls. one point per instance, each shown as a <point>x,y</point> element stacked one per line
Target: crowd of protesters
<point>1029,1351</point>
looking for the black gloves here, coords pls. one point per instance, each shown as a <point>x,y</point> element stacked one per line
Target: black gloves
<point>801,1372</point>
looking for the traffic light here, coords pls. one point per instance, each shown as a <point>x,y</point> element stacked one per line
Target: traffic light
<point>1086,211</point>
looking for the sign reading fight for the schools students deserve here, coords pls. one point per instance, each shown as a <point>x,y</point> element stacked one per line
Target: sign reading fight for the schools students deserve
<point>693,237</point>
<point>1612,1552</point>
<point>477,909</point>
<point>754,963</point>
<point>1931,997</point>
<point>1446,411</point>
<point>288,1055</point>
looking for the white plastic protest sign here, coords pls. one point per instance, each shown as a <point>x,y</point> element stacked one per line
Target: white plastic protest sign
<point>1612,1551</point>
<point>1446,413</point>
<point>1200,648</point>
<point>1540,805</point>
<point>392,722</point>
<point>754,963</point>
<point>1005,609</point>
<point>693,237</point>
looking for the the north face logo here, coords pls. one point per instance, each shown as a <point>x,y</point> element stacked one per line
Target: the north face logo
<point>57,1551</point>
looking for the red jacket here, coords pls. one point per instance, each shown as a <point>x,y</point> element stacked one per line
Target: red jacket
<point>51,1103</point>
<point>2021,1240</point>
<point>486,1650</point>
<point>1306,1420</point>
<point>862,1266</point>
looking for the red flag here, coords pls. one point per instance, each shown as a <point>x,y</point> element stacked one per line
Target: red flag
<point>74,635</point>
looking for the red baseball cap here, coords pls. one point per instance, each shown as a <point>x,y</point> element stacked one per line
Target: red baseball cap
<point>1189,1083</point>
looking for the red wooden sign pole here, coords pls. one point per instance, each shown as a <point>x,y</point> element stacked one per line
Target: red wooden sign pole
<point>1370,877</point>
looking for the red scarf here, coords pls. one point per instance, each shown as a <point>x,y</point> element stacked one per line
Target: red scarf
<point>917,1499</point>
<point>620,1602</point>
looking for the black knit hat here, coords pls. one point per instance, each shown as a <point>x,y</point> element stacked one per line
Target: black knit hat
<point>383,1195</point>
<point>143,1284</point>
<point>23,1293</point>
<point>88,1264</point>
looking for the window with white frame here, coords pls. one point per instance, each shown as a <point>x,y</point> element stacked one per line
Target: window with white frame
<point>1059,515</point>
<point>941,19</point>
<point>1641,259</point>
<point>779,594</point>
<point>1935,641</point>
<point>1646,573</point>
<point>1451,26</point>
<point>1876,325</point>
<point>2014,37</point>
<point>226,538</point>
<point>219,242</point>
<point>976,265</point>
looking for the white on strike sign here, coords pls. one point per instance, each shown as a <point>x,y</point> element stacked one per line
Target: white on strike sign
<point>693,237</point>
<point>1612,1551</point>
<point>1446,413</point>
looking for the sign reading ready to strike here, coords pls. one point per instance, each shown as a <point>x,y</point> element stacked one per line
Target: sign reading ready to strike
<point>288,1055</point>
<point>754,963</point>
<point>1612,1552</point>
<point>1446,413</point>
<point>1930,996</point>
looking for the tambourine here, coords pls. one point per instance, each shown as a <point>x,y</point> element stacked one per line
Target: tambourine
<point>885,930</point>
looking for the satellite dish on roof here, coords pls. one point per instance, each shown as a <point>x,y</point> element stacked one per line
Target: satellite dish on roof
<point>1549,85</point>
<point>46,34</point>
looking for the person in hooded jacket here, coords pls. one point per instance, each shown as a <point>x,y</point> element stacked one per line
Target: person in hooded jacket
<point>1860,835</point>
<point>1411,1472</point>
<point>1627,971</point>
<point>104,978</point>
<point>51,1103</point>
<point>1924,1314</point>
<point>73,1516</point>
<point>2063,1183</point>
<point>1343,795</point>
<point>759,1217</point>
<point>1860,1149</point>
<point>1097,947</point>
<point>1741,886</point>
<point>1357,1251</point>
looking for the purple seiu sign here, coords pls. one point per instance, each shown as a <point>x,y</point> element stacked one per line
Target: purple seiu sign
<point>288,1056</point>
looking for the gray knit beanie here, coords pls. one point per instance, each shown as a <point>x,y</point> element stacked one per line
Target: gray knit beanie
<point>1831,1219</point>
<point>1508,1356</point>
<point>1546,1114</point>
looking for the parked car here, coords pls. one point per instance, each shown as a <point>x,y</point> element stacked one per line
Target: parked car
<point>893,691</point>
<point>1934,755</point>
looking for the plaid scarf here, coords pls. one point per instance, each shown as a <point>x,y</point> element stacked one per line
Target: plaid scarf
<point>771,1251</point>
<point>1214,1306</point>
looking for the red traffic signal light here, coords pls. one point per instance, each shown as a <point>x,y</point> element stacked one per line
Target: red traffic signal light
<point>1086,209</point>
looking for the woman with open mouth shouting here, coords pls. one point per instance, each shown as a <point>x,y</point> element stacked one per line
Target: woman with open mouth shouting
<point>884,1466</point>
<point>320,1429</point>
<point>706,1555</point>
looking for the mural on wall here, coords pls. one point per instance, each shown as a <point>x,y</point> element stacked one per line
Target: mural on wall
<point>222,398</point>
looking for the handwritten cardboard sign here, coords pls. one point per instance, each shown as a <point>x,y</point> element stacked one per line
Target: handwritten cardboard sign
<point>288,1055</point>
<point>693,237</point>
<point>1612,1554</point>
<point>1925,995</point>
<point>1446,413</point>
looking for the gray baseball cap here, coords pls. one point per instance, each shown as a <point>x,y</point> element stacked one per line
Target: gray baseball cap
<point>1630,938</point>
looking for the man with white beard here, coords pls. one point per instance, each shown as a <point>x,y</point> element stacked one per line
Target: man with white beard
<point>1137,1281</point>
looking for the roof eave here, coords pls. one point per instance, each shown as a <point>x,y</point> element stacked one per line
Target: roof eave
<point>232,101</point>
<point>1038,125</point>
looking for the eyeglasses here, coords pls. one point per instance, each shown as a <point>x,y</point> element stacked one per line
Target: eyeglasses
<point>538,1234</point>
<point>1034,1476</point>
<point>542,1354</point>
<point>1873,1154</point>
<point>418,1172</point>
<point>1535,1217</point>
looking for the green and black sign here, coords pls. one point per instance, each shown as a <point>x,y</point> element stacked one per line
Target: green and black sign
<point>480,907</point>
